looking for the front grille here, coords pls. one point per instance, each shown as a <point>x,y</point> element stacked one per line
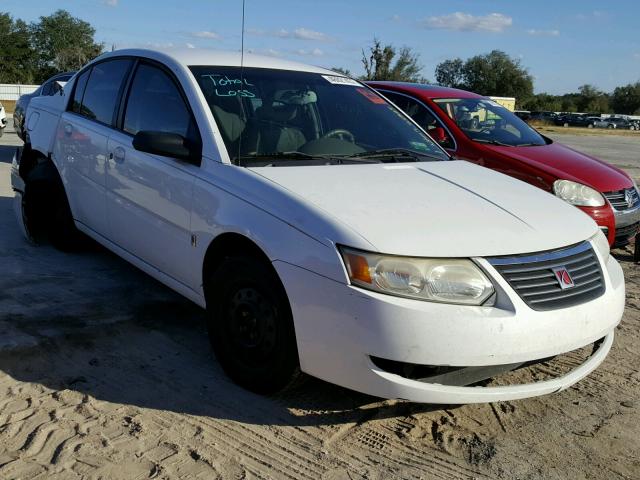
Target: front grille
<point>623,199</point>
<point>624,234</point>
<point>532,277</point>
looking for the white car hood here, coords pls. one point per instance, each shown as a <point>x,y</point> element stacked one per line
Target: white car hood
<point>438,209</point>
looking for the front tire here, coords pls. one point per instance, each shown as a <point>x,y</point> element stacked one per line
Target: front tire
<point>251,326</point>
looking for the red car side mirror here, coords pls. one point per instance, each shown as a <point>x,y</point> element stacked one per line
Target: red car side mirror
<point>439,135</point>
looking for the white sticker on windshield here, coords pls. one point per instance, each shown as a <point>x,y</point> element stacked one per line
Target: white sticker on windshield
<point>337,80</point>
<point>492,103</point>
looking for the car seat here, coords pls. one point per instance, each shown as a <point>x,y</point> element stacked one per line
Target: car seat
<point>275,132</point>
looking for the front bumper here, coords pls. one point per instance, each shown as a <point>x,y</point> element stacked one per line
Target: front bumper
<point>339,328</point>
<point>627,225</point>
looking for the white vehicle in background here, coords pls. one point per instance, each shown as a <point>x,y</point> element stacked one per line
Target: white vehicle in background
<point>3,119</point>
<point>322,230</point>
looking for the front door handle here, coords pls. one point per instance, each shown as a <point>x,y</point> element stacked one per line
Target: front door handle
<point>68,129</point>
<point>118,154</point>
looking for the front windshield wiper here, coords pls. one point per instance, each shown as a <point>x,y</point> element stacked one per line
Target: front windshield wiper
<point>492,142</point>
<point>276,159</point>
<point>395,154</point>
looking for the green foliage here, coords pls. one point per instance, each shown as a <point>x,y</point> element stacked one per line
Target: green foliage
<point>32,53</point>
<point>590,99</point>
<point>498,74</point>
<point>16,54</point>
<point>450,73</point>
<point>379,64</point>
<point>495,73</point>
<point>63,43</point>
<point>626,99</point>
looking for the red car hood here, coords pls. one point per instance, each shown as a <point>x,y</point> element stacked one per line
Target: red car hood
<point>569,164</point>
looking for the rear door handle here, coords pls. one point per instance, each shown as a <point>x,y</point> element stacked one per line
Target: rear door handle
<point>118,154</point>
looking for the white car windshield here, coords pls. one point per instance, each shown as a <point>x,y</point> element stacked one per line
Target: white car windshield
<point>306,118</point>
<point>486,121</point>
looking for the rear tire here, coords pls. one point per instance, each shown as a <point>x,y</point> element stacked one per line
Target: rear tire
<point>251,326</point>
<point>47,210</point>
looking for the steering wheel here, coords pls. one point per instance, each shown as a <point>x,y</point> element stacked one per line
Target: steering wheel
<point>341,134</point>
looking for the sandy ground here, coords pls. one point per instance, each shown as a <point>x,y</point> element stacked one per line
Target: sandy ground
<point>105,373</point>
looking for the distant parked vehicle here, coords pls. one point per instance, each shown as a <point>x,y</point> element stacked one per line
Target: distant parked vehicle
<point>616,122</point>
<point>592,120</point>
<point>523,114</point>
<point>544,116</point>
<point>573,120</point>
<point>48,88</point>
<point>3,119</point>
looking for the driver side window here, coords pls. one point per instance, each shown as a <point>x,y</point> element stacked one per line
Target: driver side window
<point>421,115</point>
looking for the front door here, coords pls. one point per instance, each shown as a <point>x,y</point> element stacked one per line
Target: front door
<point>149,197</point>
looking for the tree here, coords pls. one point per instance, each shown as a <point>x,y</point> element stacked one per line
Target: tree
<point>62,43</point>
<point>450,73</point>
<point>626,99</point>
<point>498,74</point>
<point>543,102</point>
<point>495,73</point>
<point>590,99</point>
<point>379,64</point>
<point>16,54</point>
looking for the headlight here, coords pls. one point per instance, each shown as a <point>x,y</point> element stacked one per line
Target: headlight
<point>432,279</point>
<point>601,244</point>
<point>577,194</point>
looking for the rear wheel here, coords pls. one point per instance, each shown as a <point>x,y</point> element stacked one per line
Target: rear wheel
<point>46,211</point>
<point>250,325</point>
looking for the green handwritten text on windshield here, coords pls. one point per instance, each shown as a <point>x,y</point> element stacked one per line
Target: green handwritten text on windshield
<point>225,86</point>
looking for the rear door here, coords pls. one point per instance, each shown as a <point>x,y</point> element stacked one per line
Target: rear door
<point>149,197</point>
<point>81,140</point>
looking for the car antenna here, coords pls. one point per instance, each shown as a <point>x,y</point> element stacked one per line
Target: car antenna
<point>241,80</point>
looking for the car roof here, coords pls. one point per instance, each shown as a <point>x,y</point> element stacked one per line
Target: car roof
<point>201,57</point>
<point>425,90</point>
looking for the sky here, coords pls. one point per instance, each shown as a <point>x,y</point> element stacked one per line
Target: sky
<point>563,43</point>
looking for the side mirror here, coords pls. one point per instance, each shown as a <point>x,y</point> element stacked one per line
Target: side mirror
<point>166,144</point>
<point>439,135</point>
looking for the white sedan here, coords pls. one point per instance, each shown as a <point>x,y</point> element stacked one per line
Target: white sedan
<point>319,226</point>
<point>3,119</point>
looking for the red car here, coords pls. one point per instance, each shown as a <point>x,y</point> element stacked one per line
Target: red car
<point>477,129</point>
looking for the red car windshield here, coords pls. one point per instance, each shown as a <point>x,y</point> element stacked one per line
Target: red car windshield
<point>486,121</point>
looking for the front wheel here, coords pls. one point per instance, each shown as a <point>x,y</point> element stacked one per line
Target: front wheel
<point>251,326</point>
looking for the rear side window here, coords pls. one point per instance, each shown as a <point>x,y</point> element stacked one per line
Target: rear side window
<point>47,89</point>
<point>78,92</point>
<point>155,104</point>
<point>101,93</point>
